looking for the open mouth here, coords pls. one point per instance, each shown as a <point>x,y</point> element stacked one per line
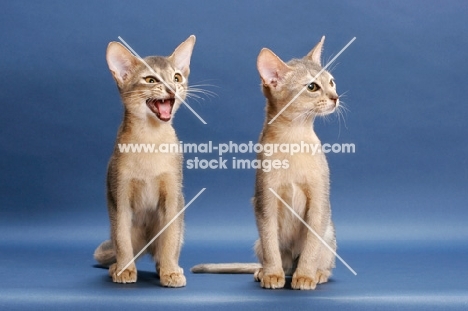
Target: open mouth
<point>162,108</point>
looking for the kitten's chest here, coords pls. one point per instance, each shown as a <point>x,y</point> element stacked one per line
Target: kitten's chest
<point>301,150</point>
<point>149,153</point>
<point>150,165</point>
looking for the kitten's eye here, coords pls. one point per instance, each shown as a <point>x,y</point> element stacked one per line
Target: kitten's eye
<point>313,87</point>
<point>178,78</point>
<point>151,80</point>
<point>332,82</point>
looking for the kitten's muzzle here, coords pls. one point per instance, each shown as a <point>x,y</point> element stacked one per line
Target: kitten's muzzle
<point>335,100</point>
<point>162,108</point>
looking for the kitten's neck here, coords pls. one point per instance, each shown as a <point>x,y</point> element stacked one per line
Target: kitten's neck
<point>286,128</point>
<point>137,126</point>
<point>285,117</point>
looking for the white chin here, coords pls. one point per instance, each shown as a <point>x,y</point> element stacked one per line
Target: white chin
<point>327,112</point>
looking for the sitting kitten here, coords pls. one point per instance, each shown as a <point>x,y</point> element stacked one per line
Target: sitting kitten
<point>286,246</point>
<point>144,190</point>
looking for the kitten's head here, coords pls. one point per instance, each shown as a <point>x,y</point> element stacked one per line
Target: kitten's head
<point>283,81</point>
<point>151,88</point>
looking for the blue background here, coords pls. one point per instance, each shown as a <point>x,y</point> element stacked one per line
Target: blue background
<point>399,203</point>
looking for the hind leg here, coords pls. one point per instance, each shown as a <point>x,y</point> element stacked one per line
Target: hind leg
<point>258,275</point>
<point>324,272</point>
<point>327,258</point>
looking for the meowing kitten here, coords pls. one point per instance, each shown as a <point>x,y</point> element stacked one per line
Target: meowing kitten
<point>144,190</point>
<point>286,246</point>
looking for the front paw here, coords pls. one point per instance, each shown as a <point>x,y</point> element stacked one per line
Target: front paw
<point>128,275</point>
<point>303,282</point>
<point>272,280</point>
<point>172,278</point>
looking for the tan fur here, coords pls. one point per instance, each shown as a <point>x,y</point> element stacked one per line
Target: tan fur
<point>144,190</point>
<point>247,268</point>
<point>286,246</point>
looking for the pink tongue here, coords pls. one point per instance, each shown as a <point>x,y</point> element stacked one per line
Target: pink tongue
<point>165,109</point>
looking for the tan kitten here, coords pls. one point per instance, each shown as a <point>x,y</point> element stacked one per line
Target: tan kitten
<point>144,190</point>
<point>286,246</point>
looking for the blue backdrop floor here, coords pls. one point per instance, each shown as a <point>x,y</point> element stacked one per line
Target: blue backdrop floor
<point>391,276</point>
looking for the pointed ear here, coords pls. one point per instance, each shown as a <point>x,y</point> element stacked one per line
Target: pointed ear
<point>182,54</point>
<point>120,61</point>
<point>271,68</point>
<point>316,52</point>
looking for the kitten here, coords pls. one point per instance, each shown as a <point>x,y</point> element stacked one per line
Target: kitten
<point>144,190</point>
<point>286,246</point>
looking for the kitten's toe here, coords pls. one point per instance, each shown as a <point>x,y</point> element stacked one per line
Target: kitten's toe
<point>157,269</point>
<point>128,275</point>
<point>258,275</point>
<point>273,281</point>
<point>172,278</point>
<point>303,282</point>
<point>322,276</point>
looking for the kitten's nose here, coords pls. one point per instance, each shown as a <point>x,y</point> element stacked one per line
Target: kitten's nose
<point>334,98</point>
<point>170,91</point>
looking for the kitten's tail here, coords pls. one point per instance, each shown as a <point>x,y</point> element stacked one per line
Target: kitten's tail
<point>229,268</point>
<point>105,254</point>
